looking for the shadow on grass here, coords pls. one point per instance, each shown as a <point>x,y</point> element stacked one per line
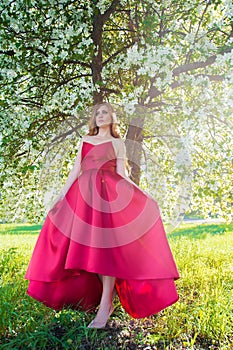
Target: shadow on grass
<point>119,334</point>
<point>201,231</point>
<point>21,229</point>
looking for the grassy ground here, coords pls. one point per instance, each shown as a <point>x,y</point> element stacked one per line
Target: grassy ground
<point>202,319</point>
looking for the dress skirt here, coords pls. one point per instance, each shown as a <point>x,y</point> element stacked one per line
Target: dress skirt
<point>103,226</point>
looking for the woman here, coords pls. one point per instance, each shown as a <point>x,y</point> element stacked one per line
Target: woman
<point>103,235</point>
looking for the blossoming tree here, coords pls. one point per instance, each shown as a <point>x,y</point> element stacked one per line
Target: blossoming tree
<point>165,65</point>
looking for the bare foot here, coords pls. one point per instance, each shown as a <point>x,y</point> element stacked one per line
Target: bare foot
<point>102,317</point>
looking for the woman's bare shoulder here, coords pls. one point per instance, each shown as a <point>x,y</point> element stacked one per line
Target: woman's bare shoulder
<point>119,146</point>
<point>119,141</point>
<point>86,137</point>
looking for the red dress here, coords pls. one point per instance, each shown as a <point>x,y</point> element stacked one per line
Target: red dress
<point>104,225</point>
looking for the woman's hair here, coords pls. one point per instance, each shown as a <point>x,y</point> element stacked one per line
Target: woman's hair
<point>94,129</point>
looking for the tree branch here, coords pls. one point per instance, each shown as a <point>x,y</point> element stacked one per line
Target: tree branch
<point>212,77</point>
<point>105,16</point>
<point>195,65</point>
<point>70,79</point>
<point>7,52</point>
<point>117,53</point>
<point>83,64</point>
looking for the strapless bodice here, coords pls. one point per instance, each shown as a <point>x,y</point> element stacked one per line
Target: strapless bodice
<point>99,157</point>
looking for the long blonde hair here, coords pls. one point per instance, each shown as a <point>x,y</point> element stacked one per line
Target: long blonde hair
<point>94,129</point>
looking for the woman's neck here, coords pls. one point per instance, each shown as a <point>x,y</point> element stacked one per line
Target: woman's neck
<point>104,133</point>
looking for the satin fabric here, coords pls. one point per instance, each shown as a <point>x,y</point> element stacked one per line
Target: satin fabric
<point>104,225</point>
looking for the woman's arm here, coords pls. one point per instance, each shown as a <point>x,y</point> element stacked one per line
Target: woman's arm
<point>121,157</point>
<point>74,173</point>
<point>121,161</point>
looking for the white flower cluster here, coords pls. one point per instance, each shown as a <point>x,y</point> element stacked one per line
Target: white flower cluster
<point>9,73</point>
<point>150,61</point>
<point>131,99</point>
<point>226,58</point>
<point>65,98</point>
<point>102,5</point>
<point>182,158</point>
<point>228,8</point>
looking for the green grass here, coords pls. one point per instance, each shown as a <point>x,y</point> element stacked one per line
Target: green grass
<point>202,319</point>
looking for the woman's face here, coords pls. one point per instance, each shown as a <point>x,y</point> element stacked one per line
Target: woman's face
<point>103,116</point>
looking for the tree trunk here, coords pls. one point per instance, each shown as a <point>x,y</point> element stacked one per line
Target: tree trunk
<point>97,36</point>
<point>133,142</point>
<point>97,60</point>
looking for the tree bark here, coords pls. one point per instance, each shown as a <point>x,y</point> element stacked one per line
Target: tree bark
<point>133,142</point>
<point>97,60</point>
<point>97,37</point>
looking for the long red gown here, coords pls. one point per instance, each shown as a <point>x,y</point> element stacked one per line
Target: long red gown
<point>104,225</point>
